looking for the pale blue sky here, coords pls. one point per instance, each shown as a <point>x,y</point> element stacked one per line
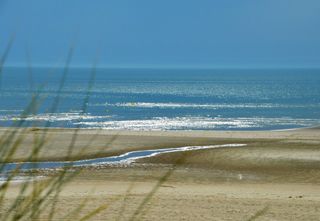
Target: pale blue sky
<point>164,33</point>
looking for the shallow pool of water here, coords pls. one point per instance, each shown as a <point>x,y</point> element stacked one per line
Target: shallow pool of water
<point>128,157</point>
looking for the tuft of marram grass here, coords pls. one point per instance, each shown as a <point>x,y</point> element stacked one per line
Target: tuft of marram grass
<point>37,199</point>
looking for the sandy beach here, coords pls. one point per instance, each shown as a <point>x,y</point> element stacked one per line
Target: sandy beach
<point>278,171</point>
<point>159,110</point>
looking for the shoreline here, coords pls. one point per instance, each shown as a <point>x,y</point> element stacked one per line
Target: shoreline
<point>316,127</point>
<point>92,143</point>
<point>264,152</point>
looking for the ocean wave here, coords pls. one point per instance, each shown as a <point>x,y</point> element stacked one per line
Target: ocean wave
<point>109,122</point>
<point>199,106</point>
<point>10,111</point>
<point>189,123</point>
<point>53,117</point>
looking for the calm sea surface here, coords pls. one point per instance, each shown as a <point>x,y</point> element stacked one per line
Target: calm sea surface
<point>146,99</point>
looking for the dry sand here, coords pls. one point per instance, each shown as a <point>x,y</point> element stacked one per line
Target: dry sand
<point>279,170</point>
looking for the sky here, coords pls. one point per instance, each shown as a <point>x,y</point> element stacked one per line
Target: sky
<point>166,33</point>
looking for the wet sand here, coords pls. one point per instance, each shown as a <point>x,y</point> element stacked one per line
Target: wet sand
<point>101,143</point>
<point>277,170</point>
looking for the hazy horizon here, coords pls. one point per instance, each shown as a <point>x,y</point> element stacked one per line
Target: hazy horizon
<point>123,33</point>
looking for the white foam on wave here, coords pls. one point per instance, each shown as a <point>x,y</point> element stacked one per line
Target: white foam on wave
<point>164,123</point>
<point>188,123</point>
<point>11,111</point>
<point>198,106</point>
<point>52,117</point>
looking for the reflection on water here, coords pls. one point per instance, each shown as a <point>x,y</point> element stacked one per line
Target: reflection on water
<point>123,158</point>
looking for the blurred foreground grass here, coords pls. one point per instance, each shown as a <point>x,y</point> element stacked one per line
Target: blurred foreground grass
<point>36,199</point>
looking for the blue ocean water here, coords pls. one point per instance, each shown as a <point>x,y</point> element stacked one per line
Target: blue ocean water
<point>162,99</point>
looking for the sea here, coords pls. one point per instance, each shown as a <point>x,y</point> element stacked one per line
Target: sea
<point>152,99</point>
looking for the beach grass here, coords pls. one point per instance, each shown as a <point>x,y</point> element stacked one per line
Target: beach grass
<point>37,199</point>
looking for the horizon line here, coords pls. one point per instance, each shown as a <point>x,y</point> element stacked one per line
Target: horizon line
<point>199,67</point>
